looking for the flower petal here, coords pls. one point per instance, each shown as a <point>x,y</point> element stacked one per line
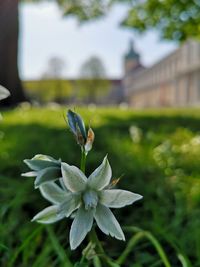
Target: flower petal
<point>29,174</point>
<point>116,198</point>
<point>47,175</point>
<point>107,222</point>
<point>81,225</point>
<point>4,93</point>
<point>73,178</point>
<point>39,164</point>
<point>100,178</point>
<point>76,123</point>
<point>43,157</point>
<point>90,140</point>
<point>71,203</point>
<point>63,185</point>
<point>53,193</point>
<point>48,215</point>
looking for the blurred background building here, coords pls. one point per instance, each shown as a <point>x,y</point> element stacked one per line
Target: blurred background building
<point>173,81</point>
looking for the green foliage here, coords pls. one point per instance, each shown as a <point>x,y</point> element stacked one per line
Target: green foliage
<point>92,90</point>
<point>62,91</point>
<point>176,20</point>
<point>84,10</point>
<point>49,90</point>
<point>169,211</point>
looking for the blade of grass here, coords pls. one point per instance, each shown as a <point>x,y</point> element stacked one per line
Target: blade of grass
<point>24,244</point>
<point>140,234</point>
<point>58,248</point>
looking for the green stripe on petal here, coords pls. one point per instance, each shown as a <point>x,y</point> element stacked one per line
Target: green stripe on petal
<point>47,175</point>
<point>73,178</point>
<point>100,178</point>
<point>107,222</point>
<point>71,203</point>
<point>53,193</point>
<point>116,198</point>
<point>48,215</point>
<point>81,225</point>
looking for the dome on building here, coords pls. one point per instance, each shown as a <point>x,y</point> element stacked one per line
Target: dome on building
<point>132,54</point>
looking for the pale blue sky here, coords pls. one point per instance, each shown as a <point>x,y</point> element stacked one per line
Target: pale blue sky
<point>45,33</point>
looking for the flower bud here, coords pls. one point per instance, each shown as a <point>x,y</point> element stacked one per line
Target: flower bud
<point>90,140</point>
<point>77,127</point>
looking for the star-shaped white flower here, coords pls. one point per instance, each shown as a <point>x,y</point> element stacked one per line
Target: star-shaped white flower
<point>89,198</point>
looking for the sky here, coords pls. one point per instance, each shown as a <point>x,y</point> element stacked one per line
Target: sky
<point>46,34</point>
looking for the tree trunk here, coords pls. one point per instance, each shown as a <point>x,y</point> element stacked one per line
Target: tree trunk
<point>9,33</point>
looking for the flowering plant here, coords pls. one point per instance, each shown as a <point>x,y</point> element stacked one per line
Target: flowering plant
<point>73,195</point>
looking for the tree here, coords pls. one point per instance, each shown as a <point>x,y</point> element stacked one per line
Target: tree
<point>54,74</point>
<point>92,83</point>
<point>176,20</point>
<point>9,29</point>
<point>55,68</point>
<point>9,32</point>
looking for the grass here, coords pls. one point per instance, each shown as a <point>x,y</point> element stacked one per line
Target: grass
<point>163,166</point>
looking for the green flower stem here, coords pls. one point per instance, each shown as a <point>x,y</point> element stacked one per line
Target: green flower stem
<point>100,250</point>
<point>93,235</point>
<point>83,159</point>
<point>95,240</point>
<point>140,234</point>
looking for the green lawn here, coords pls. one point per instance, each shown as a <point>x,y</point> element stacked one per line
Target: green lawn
<point>163,165</point>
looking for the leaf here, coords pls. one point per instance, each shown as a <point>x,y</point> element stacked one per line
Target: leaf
<point>100,178</point>
<point>48,215</point>
<point>81,225</point>
<point>116,198</point>
<point>47,175</point>
<point>53,193</point>
<point>107,222</point>
<point>73,178</point>
<point>81,264</point>
<point>4,93</point>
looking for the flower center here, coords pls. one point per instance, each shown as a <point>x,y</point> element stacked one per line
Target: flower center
<point>90,199</point>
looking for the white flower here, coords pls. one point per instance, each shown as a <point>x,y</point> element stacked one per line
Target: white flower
<point>90,198</point>
<point>4,93</point>
<point>44,168</point>
<point>77,126</point>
